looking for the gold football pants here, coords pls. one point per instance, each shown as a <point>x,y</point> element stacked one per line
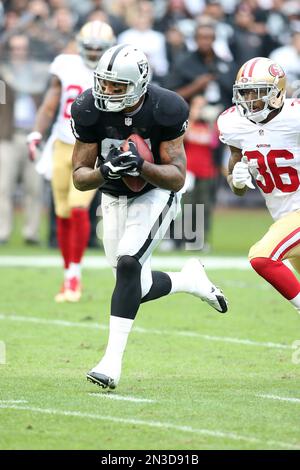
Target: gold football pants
<point>282,241</point>
<point>65,195</point>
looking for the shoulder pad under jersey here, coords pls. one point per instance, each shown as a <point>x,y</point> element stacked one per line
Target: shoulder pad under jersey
<point>169,109</point>
<point>83,109</point>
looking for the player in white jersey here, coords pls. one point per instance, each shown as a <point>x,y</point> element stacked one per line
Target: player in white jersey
<point>71,75</point>
<point>263,132</point>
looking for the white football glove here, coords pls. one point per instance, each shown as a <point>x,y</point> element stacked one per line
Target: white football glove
<point>241,176</point>
<point>33,140</point>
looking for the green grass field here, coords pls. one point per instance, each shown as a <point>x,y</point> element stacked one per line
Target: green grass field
<point>200,380</point>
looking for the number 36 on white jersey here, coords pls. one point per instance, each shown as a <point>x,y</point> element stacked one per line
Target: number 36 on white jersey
<point>273,152</point>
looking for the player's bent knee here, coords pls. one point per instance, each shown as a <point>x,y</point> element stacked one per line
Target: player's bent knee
<point>252,252</point>
<point>63,212</point>
<point>61,205</point>
<point>259,250</point>
<point>128,266</point>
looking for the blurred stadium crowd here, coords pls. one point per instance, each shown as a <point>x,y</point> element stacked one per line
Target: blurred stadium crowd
<point>194,47</point>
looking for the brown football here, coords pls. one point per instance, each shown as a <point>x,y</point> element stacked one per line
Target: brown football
<point>137,183</point>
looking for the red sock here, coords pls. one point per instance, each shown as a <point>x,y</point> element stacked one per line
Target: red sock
<point>277,274</point>
<point>63,230</point>
<point>80,233</point>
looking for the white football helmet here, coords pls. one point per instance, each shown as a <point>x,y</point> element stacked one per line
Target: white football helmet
<point>93,39</point>
<point>267,79</point>
<point>123,64</point>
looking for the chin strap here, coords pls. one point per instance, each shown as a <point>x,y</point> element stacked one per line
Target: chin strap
<point>113,107</point>
<point>261,115</point>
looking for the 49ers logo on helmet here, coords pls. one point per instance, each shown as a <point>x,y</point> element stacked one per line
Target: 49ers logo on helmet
<point>276,71</point>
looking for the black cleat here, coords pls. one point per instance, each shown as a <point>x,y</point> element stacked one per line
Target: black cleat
<point>100,379</point>
<point>222,302</point>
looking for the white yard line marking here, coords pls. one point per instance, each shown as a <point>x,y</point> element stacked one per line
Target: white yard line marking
<point>44,321</point>
<point>12,401</point>
<point>189,334</point>
<point>121,398</point>
<point>276,397</point>
<point>155,424</point>
<point>100,262</point>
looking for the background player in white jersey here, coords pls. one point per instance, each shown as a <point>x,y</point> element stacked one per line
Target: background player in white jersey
<point>71,75</point>
<point>263,132</point>
<point>122,103</point>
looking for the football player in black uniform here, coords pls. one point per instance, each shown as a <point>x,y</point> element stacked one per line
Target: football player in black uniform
<point>122,103</point>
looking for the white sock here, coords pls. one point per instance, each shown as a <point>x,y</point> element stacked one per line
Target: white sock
<point>74,270</point>
<point>119,329</point>
<point>296,302</point>
<point>178,282</point>
<point>66,274</point>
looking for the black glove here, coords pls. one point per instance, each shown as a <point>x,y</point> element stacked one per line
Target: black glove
<point>133,158</point>
<point>116,165</point>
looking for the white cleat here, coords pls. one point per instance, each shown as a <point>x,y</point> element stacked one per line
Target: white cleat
<point>198,284</point>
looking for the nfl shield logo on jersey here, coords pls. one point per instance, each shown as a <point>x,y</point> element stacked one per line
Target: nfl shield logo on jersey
<point>128,121</point>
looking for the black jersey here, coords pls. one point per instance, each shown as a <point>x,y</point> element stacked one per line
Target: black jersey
<point>163,116</point>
